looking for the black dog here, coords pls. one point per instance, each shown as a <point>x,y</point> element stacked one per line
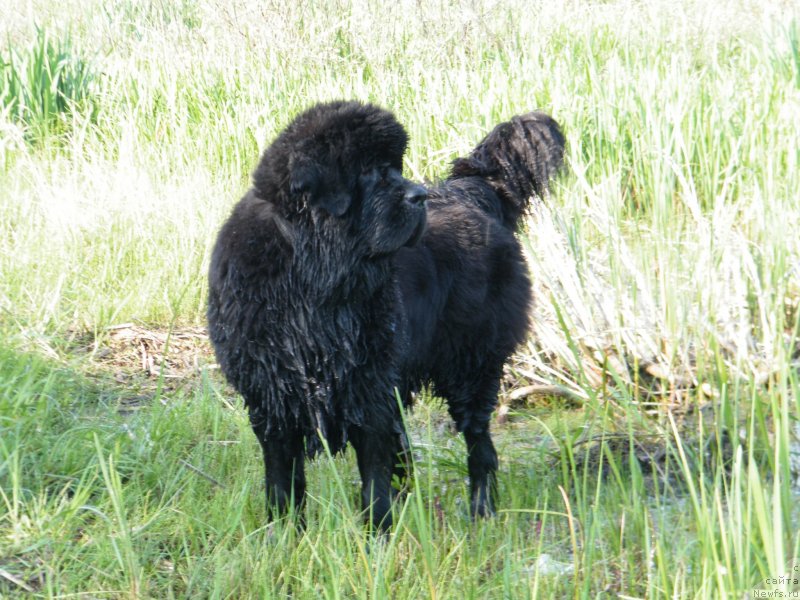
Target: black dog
<point>328,295</point>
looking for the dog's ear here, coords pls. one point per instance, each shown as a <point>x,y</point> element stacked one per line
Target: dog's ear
<point>306,179</point>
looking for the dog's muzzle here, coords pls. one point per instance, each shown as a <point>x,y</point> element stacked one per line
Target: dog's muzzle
<point>416,195</point>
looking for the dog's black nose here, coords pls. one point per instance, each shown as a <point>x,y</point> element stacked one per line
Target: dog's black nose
<point>416,195</point>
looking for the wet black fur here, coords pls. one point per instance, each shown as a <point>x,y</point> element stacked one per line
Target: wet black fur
<point>326,296</point>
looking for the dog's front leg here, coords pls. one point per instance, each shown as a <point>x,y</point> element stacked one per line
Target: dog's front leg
<point>403,466</point>
<point>284,473</point>
<point>377,457</point>
<point>482,465</point>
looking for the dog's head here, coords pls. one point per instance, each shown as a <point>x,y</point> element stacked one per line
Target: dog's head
<point>343,161</point>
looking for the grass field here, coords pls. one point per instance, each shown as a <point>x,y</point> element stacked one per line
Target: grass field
<point>649,430</point>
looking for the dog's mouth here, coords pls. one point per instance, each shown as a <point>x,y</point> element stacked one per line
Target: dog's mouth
<point>419,230</point>
<point>413,239</point>
<point>414,199</point>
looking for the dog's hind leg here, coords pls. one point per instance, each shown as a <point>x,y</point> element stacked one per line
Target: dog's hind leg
<point>377,456</point>
<point>471,403</point>
<point>284,474</point>
<point>482,465</point>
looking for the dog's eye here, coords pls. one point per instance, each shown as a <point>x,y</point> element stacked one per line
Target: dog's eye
<point>384,171</point>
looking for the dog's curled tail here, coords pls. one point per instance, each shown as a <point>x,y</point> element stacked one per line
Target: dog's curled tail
<point>518,159</point>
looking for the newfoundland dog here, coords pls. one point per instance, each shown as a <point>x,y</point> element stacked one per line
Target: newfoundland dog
<point>337,286</point>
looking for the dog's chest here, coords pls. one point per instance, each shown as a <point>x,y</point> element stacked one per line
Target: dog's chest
<point>322,348</point>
